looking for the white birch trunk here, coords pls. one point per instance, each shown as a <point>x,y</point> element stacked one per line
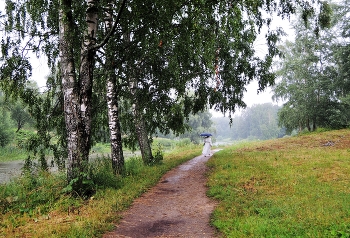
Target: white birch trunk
<point>77,93</point>
<point>86,77</point>
<point>112,104</point>
<point>70,94</point>
<point>114,126</point>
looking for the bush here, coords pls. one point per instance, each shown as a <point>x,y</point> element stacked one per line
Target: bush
<point>158,154</point>
<point>134,165</point>
<point>102,175</point>
<point>167,143</point>
<point>27,193</point>
<point>5,136</point>
<point>5,125</point>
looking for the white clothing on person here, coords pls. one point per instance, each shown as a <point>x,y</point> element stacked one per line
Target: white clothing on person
<point>207,146</point>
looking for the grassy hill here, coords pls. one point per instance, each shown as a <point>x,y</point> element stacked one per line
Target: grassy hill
<point>291,187</point>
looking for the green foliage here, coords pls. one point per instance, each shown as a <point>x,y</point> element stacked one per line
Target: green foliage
<point>158,153</point>
<point>31,193</point>
<point>310,81</point>
<point>134,166</point>
<point>197,124</point>
<point>176,47</point>
<point>183,142</point>
<point>81,185</point>
<point>5,128</point>
<point>20,115</point>
<point>324,18</point>
<point>321,129</point>
<point>101,148</point>
<point>166,143</point>
<point>16,150</point>
<point>102,175</point>
<point>22,138</point>
<point>11,153</point>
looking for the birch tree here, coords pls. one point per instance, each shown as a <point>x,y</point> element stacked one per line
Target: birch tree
<point>310,82</point>
<point>77,89</point>
<point>36,27</point>
<point>180,45</point>
<point>112,101</point>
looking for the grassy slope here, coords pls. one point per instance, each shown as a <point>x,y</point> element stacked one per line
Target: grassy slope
<point>290,187</point>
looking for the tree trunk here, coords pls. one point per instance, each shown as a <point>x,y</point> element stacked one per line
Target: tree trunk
<point>308,124</point>
<point>77,93</point>
<point>86,77</point>
<point>19,126</point>
<point>314,126</point>
<point>142,135</point>
<point>114,127</point>
<point>140,126</point>
<point>112,103</point>
<point>69,87</point>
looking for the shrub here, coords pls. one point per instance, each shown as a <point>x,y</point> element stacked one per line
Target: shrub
<point>134,165</point>
<point>158,154</point>
<point>102,175</point>
<point>5,127</point>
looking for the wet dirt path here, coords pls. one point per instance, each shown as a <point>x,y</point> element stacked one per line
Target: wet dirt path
<point>176,207</point>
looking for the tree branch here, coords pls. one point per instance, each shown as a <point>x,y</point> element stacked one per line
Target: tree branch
<point>105,40</point>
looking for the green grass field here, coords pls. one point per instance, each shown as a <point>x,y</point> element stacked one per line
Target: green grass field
<point>290,187</point>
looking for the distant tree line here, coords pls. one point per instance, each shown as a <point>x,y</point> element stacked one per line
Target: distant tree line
<point>259,122</point>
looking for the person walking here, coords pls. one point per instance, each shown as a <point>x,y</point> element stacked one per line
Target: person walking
<point>207,146</point>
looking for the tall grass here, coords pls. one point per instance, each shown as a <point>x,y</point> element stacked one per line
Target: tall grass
<point>11,153</point>
<point>34,205</point>
<point>291,187</point>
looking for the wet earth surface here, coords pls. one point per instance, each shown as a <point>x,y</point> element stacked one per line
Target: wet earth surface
<point>176,207</point>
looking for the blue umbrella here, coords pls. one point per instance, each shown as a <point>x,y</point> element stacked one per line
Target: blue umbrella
<point>205,134</point>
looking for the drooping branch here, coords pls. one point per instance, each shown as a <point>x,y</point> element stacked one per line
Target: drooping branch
<point>111,32</point>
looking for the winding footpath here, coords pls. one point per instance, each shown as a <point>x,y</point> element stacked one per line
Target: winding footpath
<point>176,207</point>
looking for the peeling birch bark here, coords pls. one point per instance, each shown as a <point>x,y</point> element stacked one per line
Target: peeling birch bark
<point>70,94</point>
<point>77,92</point>
<point>112,104</point>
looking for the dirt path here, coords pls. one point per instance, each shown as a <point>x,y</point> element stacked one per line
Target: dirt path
<point>176,207</point>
